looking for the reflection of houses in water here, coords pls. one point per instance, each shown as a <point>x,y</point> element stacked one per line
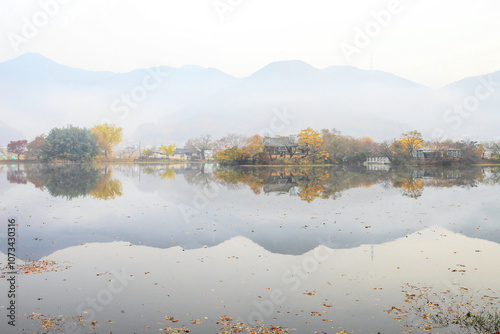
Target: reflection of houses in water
<point>384,168</point>
<point>431,175</point>
<point>442,178</point>
<point>378,160</point>
<point>280,182</point>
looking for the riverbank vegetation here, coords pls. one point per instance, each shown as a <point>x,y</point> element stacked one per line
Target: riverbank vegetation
<point>331,147</point>
<point>308,147</point>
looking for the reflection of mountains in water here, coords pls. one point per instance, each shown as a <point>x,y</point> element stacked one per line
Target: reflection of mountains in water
<point>71,181</point>
<point>241,272</point>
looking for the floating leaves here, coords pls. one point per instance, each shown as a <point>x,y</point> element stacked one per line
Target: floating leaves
<point>426,309</point>
<point>59,324</point>
<point>227,327</point>
<point>38,267</point>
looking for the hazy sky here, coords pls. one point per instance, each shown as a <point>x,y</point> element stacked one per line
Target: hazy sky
<point>428,41</point>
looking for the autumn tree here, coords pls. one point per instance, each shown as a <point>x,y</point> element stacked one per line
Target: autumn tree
<point>470,152</point>
<point>37,148</point>
<point>384,149</point>
<point>167,150</point>
<point>493,147</point>
<point>254,145</point>
<point>335,144</point>
<point>231,155</point>
<point>229,141</point>
<point>17,147</point>
<point>310,139</point>
<point>411,141</point>
<point>252,151</point>
<point>107,136</point>
<point>129,150</point>
<point>147,152</point>
<point>236,140</point>
<point>200,144</point>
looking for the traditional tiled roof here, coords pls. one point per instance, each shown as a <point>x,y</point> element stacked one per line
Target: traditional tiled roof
<point>183,151</point>
<point>278,142</point>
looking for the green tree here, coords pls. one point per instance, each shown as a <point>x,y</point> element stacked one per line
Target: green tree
<point>107,136</point>
<point>71,143</point>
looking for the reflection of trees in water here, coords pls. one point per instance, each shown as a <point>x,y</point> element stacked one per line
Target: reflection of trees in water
<point>410,185</point>
<point>160,171</point>
<point>311,183</point>
<point>492,176</point>
<point>17,176</point>
<point>232,177</point>
<point>306,183</point>
<point>200,175</point>
<point>72,181</point>
<point>413,181</point>
<point>107,188</point>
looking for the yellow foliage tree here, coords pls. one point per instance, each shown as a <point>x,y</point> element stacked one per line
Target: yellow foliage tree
<point>312,140</point>
<point>168,150</point>
<point>107,136</point>
<point>412,141</point>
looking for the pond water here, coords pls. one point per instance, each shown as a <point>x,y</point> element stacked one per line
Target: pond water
<point>150,248</point>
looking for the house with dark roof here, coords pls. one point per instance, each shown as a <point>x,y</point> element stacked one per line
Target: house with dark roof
<point>429,153</point>
<point>281,146</point>
<point>185,154</point>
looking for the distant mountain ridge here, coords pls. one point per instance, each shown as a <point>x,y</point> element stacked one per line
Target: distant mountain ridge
<point>168,104</point>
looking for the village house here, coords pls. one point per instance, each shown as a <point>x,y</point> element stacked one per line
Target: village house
<point>281,147</point>
<point>429,153</point>
<point>487,154</point>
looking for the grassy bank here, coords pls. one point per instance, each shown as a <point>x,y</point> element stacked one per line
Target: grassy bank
<point>172,161</point>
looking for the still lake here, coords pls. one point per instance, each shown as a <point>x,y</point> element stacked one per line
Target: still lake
<point>138,248</point>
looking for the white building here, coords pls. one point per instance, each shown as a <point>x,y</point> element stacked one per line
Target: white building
<point>377,160</point>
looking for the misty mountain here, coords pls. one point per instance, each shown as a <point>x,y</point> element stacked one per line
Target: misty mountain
<point>7,134</point>
<point>167,104</point>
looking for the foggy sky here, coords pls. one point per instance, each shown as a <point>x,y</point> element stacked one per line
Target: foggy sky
<point>429,42</point>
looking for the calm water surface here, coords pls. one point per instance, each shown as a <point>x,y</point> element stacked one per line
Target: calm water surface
<point>135,249</point>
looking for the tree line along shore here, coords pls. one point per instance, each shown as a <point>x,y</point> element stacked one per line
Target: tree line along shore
<point>308,147</point>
